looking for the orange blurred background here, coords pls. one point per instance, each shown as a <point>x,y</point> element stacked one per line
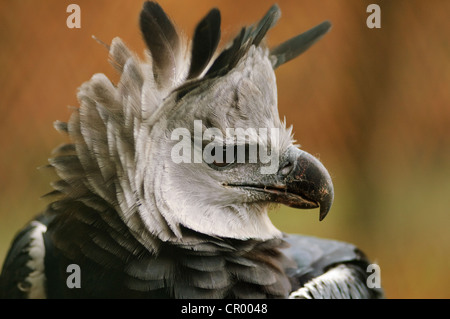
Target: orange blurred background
<point>372,104</point>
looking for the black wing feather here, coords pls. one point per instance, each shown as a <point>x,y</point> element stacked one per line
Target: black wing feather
<point>15,269</point>
<point>315,256</point>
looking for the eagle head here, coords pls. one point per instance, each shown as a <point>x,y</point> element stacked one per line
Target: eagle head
<point>190,140</point>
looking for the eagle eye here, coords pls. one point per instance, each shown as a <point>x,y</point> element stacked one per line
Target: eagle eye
<point>224,157</point>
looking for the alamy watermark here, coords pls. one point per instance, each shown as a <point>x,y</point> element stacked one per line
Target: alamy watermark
<point>373,280</point>
<point>235,145</point>
<point>74,279</point>
<point>373,21</point>
<point>73,20</point>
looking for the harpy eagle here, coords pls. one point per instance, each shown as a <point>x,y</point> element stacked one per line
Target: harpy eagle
<point>156,200</point>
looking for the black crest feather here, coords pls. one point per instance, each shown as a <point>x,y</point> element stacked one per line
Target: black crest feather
<point>297,45</point>
<point>162,40</point>
<point>248,36</point>
<point>266,23</point>
<point>207,36</point>
<point>205,42</point>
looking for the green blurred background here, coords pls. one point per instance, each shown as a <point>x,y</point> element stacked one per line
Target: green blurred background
<point>372,104</point>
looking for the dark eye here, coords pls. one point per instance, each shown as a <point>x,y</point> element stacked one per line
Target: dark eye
<point>221,165</point>
<point>227,156</point>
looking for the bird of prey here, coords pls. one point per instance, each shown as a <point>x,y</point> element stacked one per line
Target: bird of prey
<point>156,199</point>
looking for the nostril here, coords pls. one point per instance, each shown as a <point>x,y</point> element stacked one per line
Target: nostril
<point>285,168</point>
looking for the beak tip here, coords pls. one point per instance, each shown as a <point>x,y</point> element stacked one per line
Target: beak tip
<point>325,207</point>
<point>323,213</point>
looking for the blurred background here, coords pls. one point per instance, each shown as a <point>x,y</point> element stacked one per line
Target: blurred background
<point>372,104</point>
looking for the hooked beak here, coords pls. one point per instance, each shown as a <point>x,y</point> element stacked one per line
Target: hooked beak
<point>301,182</point>
<point>307,183</point>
